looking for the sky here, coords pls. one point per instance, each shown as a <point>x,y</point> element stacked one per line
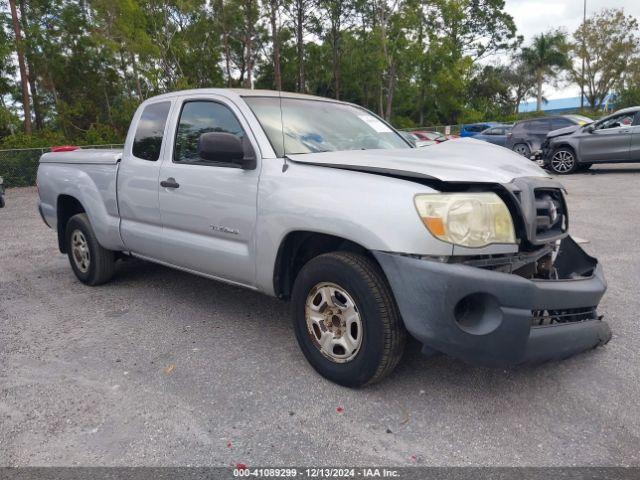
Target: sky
<point>536,16</point>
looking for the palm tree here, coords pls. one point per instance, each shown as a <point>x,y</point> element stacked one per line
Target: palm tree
<point>546,57</point>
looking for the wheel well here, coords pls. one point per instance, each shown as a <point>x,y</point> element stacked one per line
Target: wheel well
<point>298,248</point>
<point>67,206</point>
<point>564,145</point>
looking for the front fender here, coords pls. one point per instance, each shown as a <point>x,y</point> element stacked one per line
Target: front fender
<point>374,211</point>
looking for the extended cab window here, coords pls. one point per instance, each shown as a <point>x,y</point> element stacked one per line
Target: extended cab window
<point>150,130</point>
<point>538,126</point>
<point>200,117</point>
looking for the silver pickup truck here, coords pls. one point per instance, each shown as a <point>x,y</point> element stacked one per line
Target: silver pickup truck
<point>464,245</point>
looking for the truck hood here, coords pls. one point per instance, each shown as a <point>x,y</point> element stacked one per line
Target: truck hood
<point>460,160</point>
<point>563,131</point>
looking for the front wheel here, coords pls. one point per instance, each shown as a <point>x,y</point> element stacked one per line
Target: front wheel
<point>92,264</point>
<point>346,320</point>
<point>563,161</point>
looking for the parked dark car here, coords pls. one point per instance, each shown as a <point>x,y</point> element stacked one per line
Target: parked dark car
<point>473,129</point>
<point>613,139</point>
<point>1,193</point>
<point>495,135</point>
<point>527,136</point>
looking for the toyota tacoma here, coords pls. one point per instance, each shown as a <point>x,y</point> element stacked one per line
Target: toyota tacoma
<point>462,245</point>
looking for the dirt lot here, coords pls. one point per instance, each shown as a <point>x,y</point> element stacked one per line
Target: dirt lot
<point>164,368</point>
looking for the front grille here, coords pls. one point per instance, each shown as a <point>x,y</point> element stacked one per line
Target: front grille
<point>571,315</point>
<point>551,215</point>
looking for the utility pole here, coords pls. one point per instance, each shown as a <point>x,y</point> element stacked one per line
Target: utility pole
<point>24,78</point>
<point>584,19</point>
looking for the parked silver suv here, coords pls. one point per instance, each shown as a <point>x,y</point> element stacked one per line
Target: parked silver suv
<point>613,139</point>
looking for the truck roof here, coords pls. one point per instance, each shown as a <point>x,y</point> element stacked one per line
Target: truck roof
<point>240,92</point>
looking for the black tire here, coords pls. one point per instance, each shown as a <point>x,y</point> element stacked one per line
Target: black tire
<point>563,161</point>
<point>383,334</point>
<point>100,266</point>
<point>522,149</point>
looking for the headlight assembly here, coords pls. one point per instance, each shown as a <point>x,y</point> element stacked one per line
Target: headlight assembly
<point>466,219</point>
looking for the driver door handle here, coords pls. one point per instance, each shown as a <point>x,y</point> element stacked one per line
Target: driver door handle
<point>170,183</point>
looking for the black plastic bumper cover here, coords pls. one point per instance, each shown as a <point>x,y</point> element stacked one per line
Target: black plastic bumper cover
<point>427,293</point>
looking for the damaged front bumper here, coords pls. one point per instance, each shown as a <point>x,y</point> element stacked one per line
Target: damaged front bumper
<point>492,318</point>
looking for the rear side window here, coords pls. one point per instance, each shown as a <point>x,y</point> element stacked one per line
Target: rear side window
<point>537,126</point>
<point>560,123</point>
<point>150,130</point>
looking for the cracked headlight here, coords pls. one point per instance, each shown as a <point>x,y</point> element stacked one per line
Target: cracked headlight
<point>466,219</point>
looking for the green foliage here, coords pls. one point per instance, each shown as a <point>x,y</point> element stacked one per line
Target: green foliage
<point>43,139</point>
<point>19,168</point>
<point>628,97</point>
<point>609,44</point>
<point>413,62</point>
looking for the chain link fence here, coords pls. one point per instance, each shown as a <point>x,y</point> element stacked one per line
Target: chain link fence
<point>18,167</point>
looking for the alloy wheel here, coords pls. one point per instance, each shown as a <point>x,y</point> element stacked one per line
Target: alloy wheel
<point>563,161</point>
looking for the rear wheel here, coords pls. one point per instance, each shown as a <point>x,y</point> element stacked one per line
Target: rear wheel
<point>92,264</point>
<point>346,320</point>
<point>523,149</point>
<point>563,161</point>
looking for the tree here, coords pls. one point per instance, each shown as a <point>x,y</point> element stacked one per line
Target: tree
<point>546,57</point>
<point>274,21</point>
<point>607,42</point>
<point>24,78</point>
<point>33,84</point>
<point>301,14</point>
<point>89,63</point>
<point>521,81</point>
<point>339,12</point>
<point>474,28</point>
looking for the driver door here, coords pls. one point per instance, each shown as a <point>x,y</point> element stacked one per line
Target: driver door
<point>610,141</point>
<point>208,208</point>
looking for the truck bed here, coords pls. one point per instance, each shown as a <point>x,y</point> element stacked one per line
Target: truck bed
<point>93,156</point>
<point>90,177</point>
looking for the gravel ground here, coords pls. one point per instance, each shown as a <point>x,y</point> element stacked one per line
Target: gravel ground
<point>163,368</point>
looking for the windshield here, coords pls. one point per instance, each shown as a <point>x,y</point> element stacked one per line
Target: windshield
<point>310,126</point>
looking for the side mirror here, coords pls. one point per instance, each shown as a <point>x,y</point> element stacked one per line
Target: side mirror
<point>225,148</point>
<point>591,128</point>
